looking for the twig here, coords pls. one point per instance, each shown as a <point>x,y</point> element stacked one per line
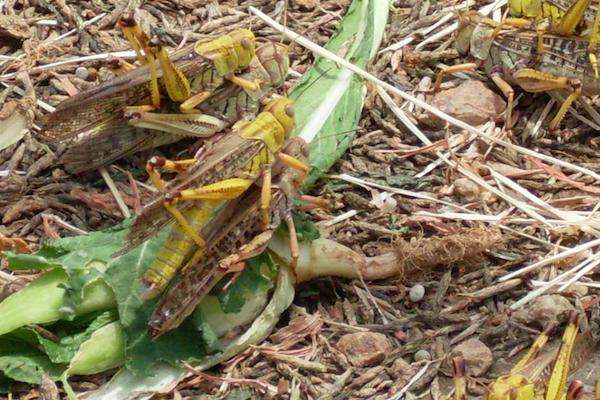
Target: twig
<point>115,192</point>
<point>453,121</point>
<point>549,260</point>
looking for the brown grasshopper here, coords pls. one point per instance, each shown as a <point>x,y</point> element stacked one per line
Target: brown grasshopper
<point>132,131</point>
<point>235,233</point>
<point>512,57</point>
<point>230,165</point>
<point>189,76</point>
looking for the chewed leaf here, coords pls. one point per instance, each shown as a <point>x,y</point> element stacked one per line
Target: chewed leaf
<point>329,98</point>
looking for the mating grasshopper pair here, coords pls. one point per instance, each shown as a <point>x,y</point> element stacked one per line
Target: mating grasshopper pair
<point>231,162</point>
<point>120,116</point>
<point>513,56</point>
<point>236,232</point>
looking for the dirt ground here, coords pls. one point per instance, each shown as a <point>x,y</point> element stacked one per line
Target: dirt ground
<point>462,301</point>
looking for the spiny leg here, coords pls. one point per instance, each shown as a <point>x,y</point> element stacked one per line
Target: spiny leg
<point>536,81</point>
<point>295,164</point>
<point>571,18</point>
<point>249,86</point>
<point>265,196</point>
<point>253,248</point>
<point>508,92</point>
<point>194,124</point>
<point>533,351</point>
<point>467,67</point>
<point>560,371</point>
<point>294,247</point>
<point>188,105</point>
<point>155,163</point>
<point>565,106</point>
<point>177,85</point>
<point>139,41</point>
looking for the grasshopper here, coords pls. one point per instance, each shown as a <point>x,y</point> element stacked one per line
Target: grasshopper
<point>235,234</point>
<point>135,131</point>
<point>565,16</point>
<point>228,168</point>
<point>534,374</point>
<point>511,57</point>
<point>188,76</point>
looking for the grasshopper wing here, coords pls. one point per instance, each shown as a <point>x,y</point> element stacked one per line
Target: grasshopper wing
<point>226,158</point>
<point>99,104</point>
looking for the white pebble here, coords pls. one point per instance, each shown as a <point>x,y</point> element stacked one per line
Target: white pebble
<point>422,355</point>
<point>416,293</point>
<point>82,73</point>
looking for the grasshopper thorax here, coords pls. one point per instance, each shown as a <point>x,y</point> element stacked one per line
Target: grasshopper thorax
<point>282,109</point>
<point>229,53</point>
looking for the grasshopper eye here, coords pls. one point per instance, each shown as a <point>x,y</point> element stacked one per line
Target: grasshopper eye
<point>246,44</point>
<point>289,110</point>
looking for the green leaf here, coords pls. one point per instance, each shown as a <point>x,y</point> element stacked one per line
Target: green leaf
<point>329,98</point>
<point>62,352</point>
<point>258,275</point>
<point>22,362</point>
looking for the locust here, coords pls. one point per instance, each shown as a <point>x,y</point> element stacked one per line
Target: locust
<point>567,17</point>
<point>545,372</point>
<point>227,168</point>
<point>511,57</point>
<point>188,76</point>
<point>236,233</point>
<point>134,131</point>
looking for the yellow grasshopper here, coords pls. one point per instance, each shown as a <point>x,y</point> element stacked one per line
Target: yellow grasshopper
<point>137,130</point>
<point>189,76</point>
<point>235,233</point>
<point>510,56</point>
<point>228,168</point>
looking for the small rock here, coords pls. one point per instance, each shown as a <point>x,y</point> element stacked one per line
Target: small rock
<point>82,73</point>
<point>306,4</point>
<point>422,355</point>
<point>544,310</point>
<point>470,192</point>
<point>416,293</point>
<point>364,349</point>
<point>471,102</point>
<point>478,357</point>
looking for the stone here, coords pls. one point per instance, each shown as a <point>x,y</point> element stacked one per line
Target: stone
<point>471,102</point>
<point>364,349</point>
<point>416,293</point>
<point>544,310</point>
<point>478,357</point>
<point>82,73</point>
<point>422,355</point>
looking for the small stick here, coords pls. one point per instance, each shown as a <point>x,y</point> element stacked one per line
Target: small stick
<point>115,192</point>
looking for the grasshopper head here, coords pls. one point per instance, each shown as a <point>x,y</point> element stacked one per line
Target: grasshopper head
<point>282,109</point>
<point>244,43</point>
<point>274,58</point>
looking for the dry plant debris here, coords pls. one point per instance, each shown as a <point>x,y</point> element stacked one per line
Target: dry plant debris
<point>458,210</point>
